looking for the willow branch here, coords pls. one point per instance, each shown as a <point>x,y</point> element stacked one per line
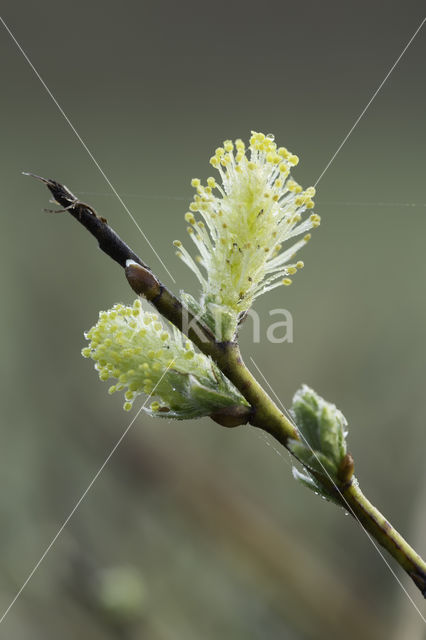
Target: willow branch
<point>264,413</point>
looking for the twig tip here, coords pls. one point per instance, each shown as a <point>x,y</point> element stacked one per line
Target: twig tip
<point>34,175</point>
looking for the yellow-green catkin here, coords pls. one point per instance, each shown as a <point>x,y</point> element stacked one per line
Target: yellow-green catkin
<point>240,224</point>
<point>135,350</point>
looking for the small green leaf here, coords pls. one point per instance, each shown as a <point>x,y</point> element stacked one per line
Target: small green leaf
<point>309,482</point>
<point>305,479</point>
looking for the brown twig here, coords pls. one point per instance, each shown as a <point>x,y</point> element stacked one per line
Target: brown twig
<point>109,241</point>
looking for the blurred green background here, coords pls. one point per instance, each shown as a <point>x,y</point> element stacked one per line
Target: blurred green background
<point>193,531</point>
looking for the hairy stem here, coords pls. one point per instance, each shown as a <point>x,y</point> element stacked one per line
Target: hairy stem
<point>264,413</point>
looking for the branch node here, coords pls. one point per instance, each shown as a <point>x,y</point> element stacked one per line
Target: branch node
<point>233,416</point>
<point>142,280</point>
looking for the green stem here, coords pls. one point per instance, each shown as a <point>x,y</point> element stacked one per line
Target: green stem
<point>377,525</point>
<point>265,413</point>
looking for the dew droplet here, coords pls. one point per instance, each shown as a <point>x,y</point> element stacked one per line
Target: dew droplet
<point>270,136</point>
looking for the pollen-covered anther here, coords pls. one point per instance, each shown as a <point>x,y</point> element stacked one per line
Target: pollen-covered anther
<point>315,219</point>
<point>189,217</point>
